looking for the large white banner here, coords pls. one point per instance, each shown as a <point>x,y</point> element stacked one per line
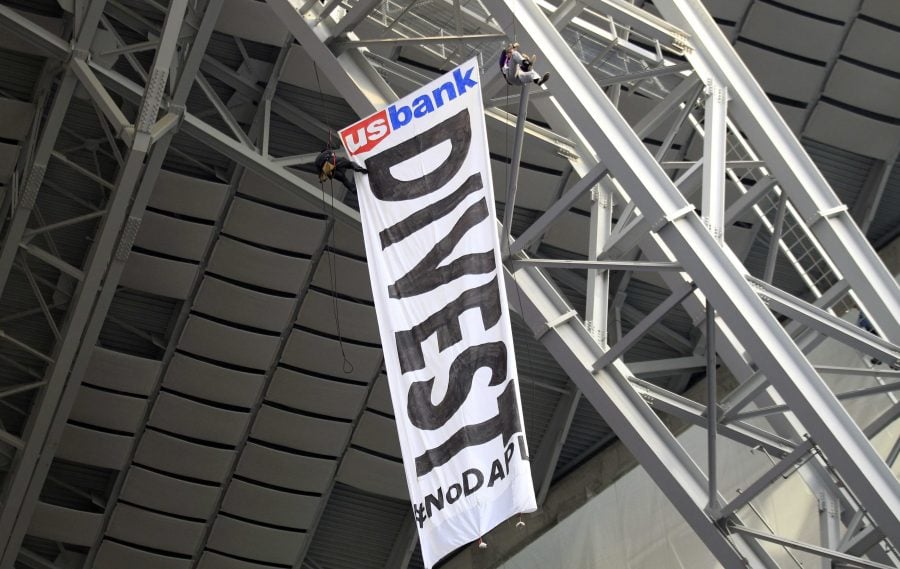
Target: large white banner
<point>431,239</point>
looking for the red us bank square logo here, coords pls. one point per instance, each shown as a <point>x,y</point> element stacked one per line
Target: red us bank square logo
<point>364,135</point>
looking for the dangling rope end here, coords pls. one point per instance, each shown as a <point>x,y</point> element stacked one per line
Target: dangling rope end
<point>520,523</point>
<point>481,543</point>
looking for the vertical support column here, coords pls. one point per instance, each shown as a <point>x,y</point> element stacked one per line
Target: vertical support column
<point>712,409</point>
<point>829,525</point>
<point>713,206</point>
<point>516,158</point>
<point>596,312</point>
<point>714,129</point>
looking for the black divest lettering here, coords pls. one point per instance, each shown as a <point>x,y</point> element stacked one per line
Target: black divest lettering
<point>428,417</point>
<point>456,129</point>
<point>430,273</point>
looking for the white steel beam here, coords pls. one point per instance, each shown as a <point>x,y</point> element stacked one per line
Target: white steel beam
<point>359,83</point>
<point>717,273</point>
<point>807,189</point>
<point>611,393</point>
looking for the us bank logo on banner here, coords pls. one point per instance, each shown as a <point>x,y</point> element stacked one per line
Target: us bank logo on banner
<point>431,239</point>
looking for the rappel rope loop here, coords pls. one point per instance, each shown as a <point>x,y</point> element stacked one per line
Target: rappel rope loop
<point>347,365</point>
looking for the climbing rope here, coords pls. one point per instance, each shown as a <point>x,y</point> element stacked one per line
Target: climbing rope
<point>330,248</point>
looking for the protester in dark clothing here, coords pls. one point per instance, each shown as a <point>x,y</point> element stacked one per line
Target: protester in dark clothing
<point>329,165</point>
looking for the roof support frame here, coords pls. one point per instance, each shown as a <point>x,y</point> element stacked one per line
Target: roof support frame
<point>683,235</point>
<point>808,190</point>
<point>107,259</point>
<point>650,121</point>
<point>610,391</point>
<point>721,548</point>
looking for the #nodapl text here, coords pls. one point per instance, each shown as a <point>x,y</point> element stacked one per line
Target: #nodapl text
<point>432,271</point>
<point>471,481</point>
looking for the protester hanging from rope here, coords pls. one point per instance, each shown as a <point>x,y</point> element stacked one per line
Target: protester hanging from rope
<point>331,166</point>
<point>517,68</point>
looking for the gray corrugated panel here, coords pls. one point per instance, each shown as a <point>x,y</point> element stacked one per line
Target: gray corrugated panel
<point>787,30</point>
<point>845,171</point>
<point>247,540</point>
<point>536,368</point>
<point>87,445</point>
<point>416,561</point>
<point>371,524</point>
<point>259,267</point>
<point>786,277</point>
<point>20,73</point>
<point>345,275</point>
<point>43,547</point>
<point>186,152</point>
<point>288,138</point>
<point>886,225</point>
<point>72,485</point>
<point>587,429</point>
<point>646,296</point>
<point>149,313</point>
<point>193,197</point>
<point>49,8</point>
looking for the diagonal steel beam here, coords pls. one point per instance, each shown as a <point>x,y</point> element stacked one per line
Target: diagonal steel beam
<point>356,80</point>
<point>717,274</point>
<point>807,189</point>
<point>695,414</point>
<point>623,408</point>
<point>91,301</point>
<point>341,45</point>
<point>265,167</point>
<point>826,323</point>
<point>641,328</point>
<point>33,33</point>
<point>847,560</point>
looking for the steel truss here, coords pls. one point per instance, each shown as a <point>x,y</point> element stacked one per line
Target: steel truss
<point>747,331</point>
<point>656,218</point>
<point>147,139</point>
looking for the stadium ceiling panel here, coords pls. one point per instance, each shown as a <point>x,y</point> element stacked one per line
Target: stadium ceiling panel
<point>192,376</point>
